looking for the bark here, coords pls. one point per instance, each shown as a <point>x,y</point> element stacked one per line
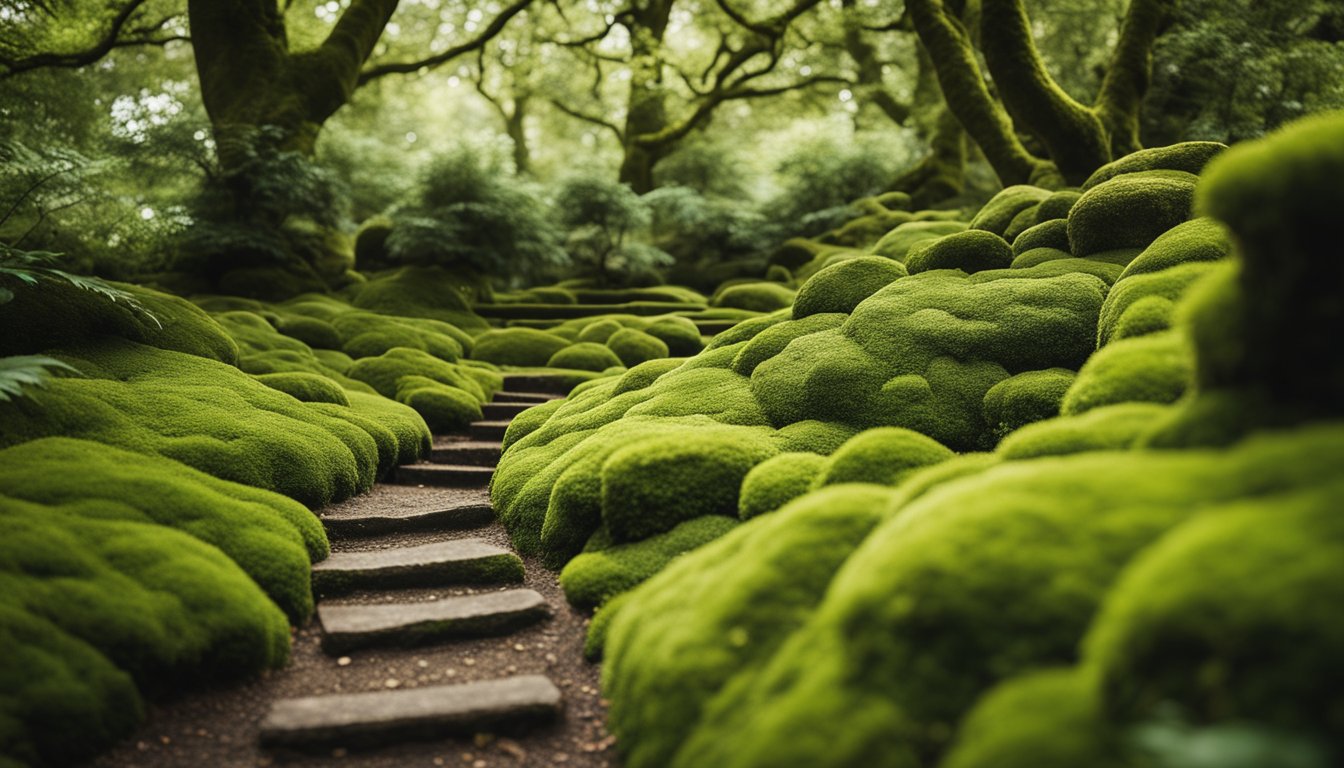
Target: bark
<point>646,111</point>
<point>950,48</point>
<point>1122,90</point>
<point>515,125</point>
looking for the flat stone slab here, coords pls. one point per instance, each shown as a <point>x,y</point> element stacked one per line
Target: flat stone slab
<point>473,453</point>
<point>442,563</point>
<point>348,627</point>
<point>385,717</point>
<point>391,508</point>
<point>503,409</point>
<point>488,430</point>
<point>526,397</point>
<point>538,382</point>
<point>451,475</point>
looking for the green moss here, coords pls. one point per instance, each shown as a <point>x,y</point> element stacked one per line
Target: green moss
<point>651,486</point>
<point>1048,719</point>
<point>444,408</point>
<point>777,481</point>
<point>820,437</point>
<point>1198,240</point>
<point>1130,211</point>
<point>517,346</point>
<point>1024,220</point>
<point>365,334</point>
<point>1134,301</point>
<point>308,387</point>
<point>1190,157</point>
<point>54,313</point>
<point>585,356</point>
<point>995,215</point>
<point>1048,234</point>
<point>318,334</point>
<point>908,637</point>
<point>1026,398</point>
<point>644,374</point>
<point>720,612</point>
<point>747,329</point>
<point>841,287</point>
<point>264,350</point>
<point>400,433</point>
<point>599,331</point>
<point>270,283</point>
<point>774,339</point>
<point>971,251</point>
<point>529,421</point>
<point>1147,369</point>
<point>1037,256</point>
<point>1057,205</point>
<point>385,371</point>
<point>203,413</point>
<point>898,242</point>
<point>428,292</point>
<point>757,297</point>
<point>633,347</point>
<point>1109,428</point>
<point>881,456</point>
<point>593,578</point>
<point>1223,618</point>
<point>680,334</point>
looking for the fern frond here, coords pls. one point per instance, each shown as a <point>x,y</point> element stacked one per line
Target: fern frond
<point>21,371</point>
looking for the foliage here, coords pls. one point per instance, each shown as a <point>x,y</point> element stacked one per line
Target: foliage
<point>604,218</point>
<point>19,371</point>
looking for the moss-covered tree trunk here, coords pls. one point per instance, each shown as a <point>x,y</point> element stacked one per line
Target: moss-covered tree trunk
<point>1130,71</point>
<point>515,125</point>
<point>251,81</point>
<point>646,107</point>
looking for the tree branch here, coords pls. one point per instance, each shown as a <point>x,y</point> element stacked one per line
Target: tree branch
<point>490,32</point>
<point>587,118</point>
<point>98,50</point>
<point>674,133</point>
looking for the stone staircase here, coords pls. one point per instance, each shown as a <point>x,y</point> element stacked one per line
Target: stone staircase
<point>368,599</point>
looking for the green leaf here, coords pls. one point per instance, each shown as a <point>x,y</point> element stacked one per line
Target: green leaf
<point>21,371</point>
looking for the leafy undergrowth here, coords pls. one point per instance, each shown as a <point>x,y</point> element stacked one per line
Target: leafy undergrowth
<point>1055,485</point>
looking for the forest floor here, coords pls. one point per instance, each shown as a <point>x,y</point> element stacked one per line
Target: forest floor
<point>219,726</point>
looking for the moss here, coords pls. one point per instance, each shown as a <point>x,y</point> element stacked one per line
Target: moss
<point>593,578</point>
<point>898,242</point>
<point>1130,211</point>
<point>1147,369</point>
<point>401,435</point>
<point>1278,196</point>
<point>365,334</point>
<point>1108,428</point>
<point>841,287</point>
<point>1049,719</point>
<point>971,251</point>
<point>529,421</point>
<point>757,297</point>
<point>778,274</point>
<point>316,333</point>
<point>1198,240</point>
<point>585,356</point>
<point>444,408</point>
<point>1134,301</point>
<point>91,604</point>
<point>1035,256</point>
<point>1026,398</point>
<point>517,346</point>
<point>1048,234</point>
<point>54,313</point>
<point>1222,618</point>
<point>881,456</point>
<point>720,612</point>
<point>747,329</point>
<point>651,486</point>
<point>633,347</point>
<point>264,350</point>
<point>907,638</point>
<point>680,334</point>
<point>371,243</point>
<point>599,331</point>
<point>820,437</point>
<point>308,387</point>
<point>777,481</point>
<point>270,283</point>
<point>1057,205</point>
<point>384,372</point>
<point>428,292</point>
<point>1190,157</point>
<point>645,374</point>
<point>995,215</point>
<point>1024,220</point>
<point>774,339</point>
<point>205,414</point>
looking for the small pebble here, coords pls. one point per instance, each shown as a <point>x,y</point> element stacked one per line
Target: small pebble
<point>392,682</point>
<point>344,661</point>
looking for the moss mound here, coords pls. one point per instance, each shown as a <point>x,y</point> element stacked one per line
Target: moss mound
<point>633,347</point>
<point>1129,211</point>
<point>971,251</point>
<point>585,356</point>
<point>756,297</point>
<point>526,347</point>
<point>1190,157</point>
<point>307,387</point>
<point>898,242</point>
<point>1149,369</point>
<point>998,214</point>
<point>1053,233</point>
<point>680,334</point>
<point>1026,398</point>
<point>841,287</point>
<point>444,408</point>
<point>777,481</point>
<point>881,456</point>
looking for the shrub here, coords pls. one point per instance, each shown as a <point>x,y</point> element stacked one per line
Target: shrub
<point>633,347</point>
<point>585,356</point>
<point>1129,211</point>
<point>525,347</point>
<point>841,287</point>
<point>602,214</point>
<point>428,292</point>
<point>777,481</point>
<point>971,251</point>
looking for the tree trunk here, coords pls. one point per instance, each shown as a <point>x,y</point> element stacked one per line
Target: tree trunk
<point>646,107</point>
<point>1126,82</point>
<point>515,124</point>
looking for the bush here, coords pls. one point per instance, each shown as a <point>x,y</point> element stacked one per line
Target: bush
<point>601,215</point>
<point>971,251</point>
<point>634,347</point>
<point>585,356</point>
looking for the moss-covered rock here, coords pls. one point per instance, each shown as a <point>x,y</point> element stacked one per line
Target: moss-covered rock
<point>384,372</point>
<point>444,408</point>
<point>585,356</point>
<point>997,214</point>
<point>1149,369</point>
<point>1026,398</point>
<point>1130,211</point>
<point>1048,234</point>
<point>1107,428</point>
<point>841,287</point>
<point>633,347</point>
<point>1057,205</point>
<point>595,577</point>
<point>898,242</point>
<point>1189,157</point>
<point>599,331</point>
<point>680,334</point>
<point>974,250</point>
<point>428,292</point>
<point>527,347</point>
<point>1036,256</point>
<point>773,340</point>
<point>308,387</point>
<point>881,456</point>
<point>777,481</point>
<point>757,297</point>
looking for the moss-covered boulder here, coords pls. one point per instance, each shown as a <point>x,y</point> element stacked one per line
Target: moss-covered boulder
<point>1130,211</point>
<point>841,287</point>
<point>777,481</point>
<point>898,242</point>
<point>996,215</point>
<point>757,297</point>
<point>633,347</point>
<point>971,251</point>
<point>1026,398</point>
<point>585,356</point>
<point>881,456</point>
<point>525,347</point>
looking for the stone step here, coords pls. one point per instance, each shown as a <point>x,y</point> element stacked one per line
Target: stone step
<point>503,409</point>
<point>714,327</point>
<point>459,517</point>
<point>534,398</point>
<point>388,717</point>
<point>538,382</point>
<point>449,475</point>
<point>443,563</point>
<point>348,627</point>
<point>488,430</point>
<point>471,453</point>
